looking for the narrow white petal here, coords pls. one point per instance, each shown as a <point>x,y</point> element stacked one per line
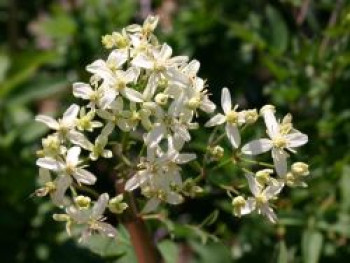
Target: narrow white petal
<point>269,213</point>
<point>155,136</point>
<point>136,181</point>
<point>280,161</point>
<point>296,139</point>
<point>71,113</point>
<point>85,177</point>
<point>207,105</point>
<point>233,135</point>
<point>79,139</point>
<point>48,163</point>
<point>82,90</point>
<point>132,95</point>
<point>62,183</point>
<point>226,103</point>
<point>100,206</point>
<point>142,61</point>
<point>249,206</point>
<point>257,146</point>
<point>253,184</point>
<point>273,190</point>
<point>271,123</point>
<point>48,121</point>
<point>118,57</point>
<point>165,52</point>
<point>216,120</point>
<point>185,158</point>
<point>73,155</point>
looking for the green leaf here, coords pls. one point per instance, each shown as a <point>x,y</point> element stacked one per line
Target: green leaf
<point>169,251</point>
<point>344,184</point>
<point>25,73</point>
<point>278,33</point>
<point>211,252</point>
<point>312,241</point>
<point>282,252</point>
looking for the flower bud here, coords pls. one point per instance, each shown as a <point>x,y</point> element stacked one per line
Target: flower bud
<point>216,152</point>
<point>161,99</point>
<point>107,41</point>
<point>194,103</point>
<point>263,176</point>
<point>238,203</point>
<point>61,217</point>
<point>116,204</point>
<point>267,108</point>
<point>300,169</point>
<point>82,201</point>
<point>251,116</point>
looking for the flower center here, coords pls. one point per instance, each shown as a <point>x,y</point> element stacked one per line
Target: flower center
<point>279,142</point>
<point>232,117</point>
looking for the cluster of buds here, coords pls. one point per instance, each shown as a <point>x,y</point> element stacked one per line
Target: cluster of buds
<point>141,89</point>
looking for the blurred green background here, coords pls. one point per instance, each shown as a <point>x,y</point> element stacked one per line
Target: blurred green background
<point>294,54</point>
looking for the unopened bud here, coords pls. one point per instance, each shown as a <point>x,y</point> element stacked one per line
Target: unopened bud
<point>263,176</point>
<point>82,201</point>
<point>251,116</point>
<point>61,217</point>
<point>116,204</point>
<point>238,203</point>
<point>217,152</point>
<point>161,99</point>
<point>267,108</point>
<point>300,169</point>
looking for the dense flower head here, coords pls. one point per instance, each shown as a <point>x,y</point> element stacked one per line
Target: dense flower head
<point>142,90</point>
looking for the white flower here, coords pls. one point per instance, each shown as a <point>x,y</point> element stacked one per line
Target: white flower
<point>106,69</point>
<point>162,65</point>
<point>159,176</point>
<point>232,118</point>
<point>70,166</point>
<point>116,115</point>
<point>62,126</point>
<point>55,188</point>
<point>92,219</point>
<point>260,201</point>
<point>280,139</point>
<point>170,124</point>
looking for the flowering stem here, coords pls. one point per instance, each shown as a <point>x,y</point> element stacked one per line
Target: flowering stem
<point>256,162</point>
<point>145,250</point>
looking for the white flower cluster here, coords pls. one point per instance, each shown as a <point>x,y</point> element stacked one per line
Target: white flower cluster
<point>141,89</point>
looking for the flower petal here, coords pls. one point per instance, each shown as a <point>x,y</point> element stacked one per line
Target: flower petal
<point>85,177</point>
<point>100,206</point>
<point>82,90</point>
<point>233,135</point>
<point>216,120</point>
<point>132,95</point>
<point>253,184</point>
<point>71,113</point>
<point>296,139</point>
<point>226,103</point>
<point>48,163</point>
<point>48,121</point>
<point>142,61</point>
<point>280,161</point>
<point>73,155</point>
<point>257,146</point>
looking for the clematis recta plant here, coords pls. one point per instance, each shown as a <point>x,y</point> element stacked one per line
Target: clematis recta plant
<point>137,116</point>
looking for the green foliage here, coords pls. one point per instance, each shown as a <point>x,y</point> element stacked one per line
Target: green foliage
<point>265,51</point>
